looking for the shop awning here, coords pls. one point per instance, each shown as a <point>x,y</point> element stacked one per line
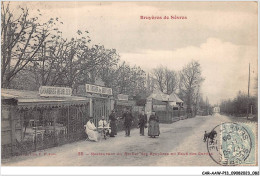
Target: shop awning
<point>31,99</point>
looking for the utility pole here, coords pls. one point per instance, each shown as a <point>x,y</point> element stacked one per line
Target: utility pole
<point>248,92</point>
<point>207,105</point>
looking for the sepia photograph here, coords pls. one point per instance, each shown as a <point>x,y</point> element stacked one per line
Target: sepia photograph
<point>129,83</point>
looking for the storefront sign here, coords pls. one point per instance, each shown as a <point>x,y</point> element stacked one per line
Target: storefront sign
<point>98,89</point>
<point>122,97</point>
<point>49,91</point>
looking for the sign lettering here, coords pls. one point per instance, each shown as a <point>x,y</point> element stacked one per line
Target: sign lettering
<point>98,89</point>
<point>49,91</point>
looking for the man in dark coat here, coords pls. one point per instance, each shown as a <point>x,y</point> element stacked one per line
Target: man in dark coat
<point>142,122</point>
<point>128,122</point>
<point>112,119</point>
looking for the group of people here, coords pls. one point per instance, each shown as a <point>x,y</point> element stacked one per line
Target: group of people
<point>110,127</point>
<point>153,124</point>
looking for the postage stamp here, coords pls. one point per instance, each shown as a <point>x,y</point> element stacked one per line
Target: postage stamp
<point>234,144</point>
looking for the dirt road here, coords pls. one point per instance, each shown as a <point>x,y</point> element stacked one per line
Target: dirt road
<point>180,144</point>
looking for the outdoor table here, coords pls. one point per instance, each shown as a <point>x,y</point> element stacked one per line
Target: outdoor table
<point>31,132</point>
<point>58,129</point>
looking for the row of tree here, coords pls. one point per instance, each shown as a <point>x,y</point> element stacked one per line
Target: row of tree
<point>34,54</point>
<point>240,106</point>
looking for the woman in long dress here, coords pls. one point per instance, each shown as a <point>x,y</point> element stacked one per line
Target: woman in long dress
<point>153,128</point>
<point>91,130</point>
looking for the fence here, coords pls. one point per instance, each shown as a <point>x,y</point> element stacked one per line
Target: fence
<point>170,116</point>
<point>39,129</point>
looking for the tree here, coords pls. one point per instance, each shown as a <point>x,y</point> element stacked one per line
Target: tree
<point>22,37</point>
<point>138,78</point>
<point>122,80</point>
<point>159,77</point>
<point>167,80</point>
<point>195,99</point>
<point>107,65</point>
<point>72,66</point>
<point>57,62</point>
<point>41,56</point>
<point>190,81</point>
<point>171,81</point>
<point>46,68</point>
<point>98,62</point>
<point>128,80</point>
<point>24,81</point>
<point>238,106</point>
<point>150,84</point>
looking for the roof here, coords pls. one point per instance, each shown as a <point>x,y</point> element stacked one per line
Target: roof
<point>158,95</point>
<point>174,98</point>
<point>27,99</point>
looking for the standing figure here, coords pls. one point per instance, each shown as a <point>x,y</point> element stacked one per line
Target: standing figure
<point>142,122</point>
<point>128,122</point>
<point>112,119</point>
<point>91,130</point>
<point>153,128</point>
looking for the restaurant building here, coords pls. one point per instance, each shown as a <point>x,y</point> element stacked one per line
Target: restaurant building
<point>33,120</point>
<point>101,101</point>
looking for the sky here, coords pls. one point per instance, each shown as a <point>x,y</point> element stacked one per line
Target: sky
<point>222,36</point>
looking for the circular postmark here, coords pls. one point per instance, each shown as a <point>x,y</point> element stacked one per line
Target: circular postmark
<point>229,144</point>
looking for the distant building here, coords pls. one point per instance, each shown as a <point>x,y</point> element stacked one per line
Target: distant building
<point>169,108</point>
<point>216,109</point>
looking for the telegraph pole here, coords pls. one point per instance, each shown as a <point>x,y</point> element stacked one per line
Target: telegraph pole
<point>248,91</point>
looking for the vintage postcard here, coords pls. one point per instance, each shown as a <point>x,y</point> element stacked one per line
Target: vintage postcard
<point>129,83</point>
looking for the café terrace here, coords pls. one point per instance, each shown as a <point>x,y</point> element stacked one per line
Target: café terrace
<point>52,116</point>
